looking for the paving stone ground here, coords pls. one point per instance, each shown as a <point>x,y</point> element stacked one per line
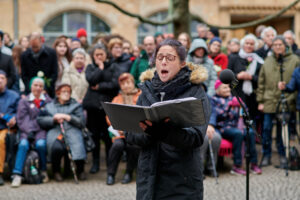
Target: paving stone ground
<point>271,185</point>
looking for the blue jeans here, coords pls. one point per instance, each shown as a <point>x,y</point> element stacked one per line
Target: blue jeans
<point>236,136</point>
<point>23,148</point>
<point>267,136</point>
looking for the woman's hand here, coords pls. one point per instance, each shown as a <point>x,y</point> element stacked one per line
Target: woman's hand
<point>244,76</point>
<point>281,85</point>
<point>61,117</point>
<point>100,64</point>
<point>96,87</point>
<point>261,107</point>
<point>210,132</point>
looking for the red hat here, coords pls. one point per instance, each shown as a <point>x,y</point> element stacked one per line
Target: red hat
<point>217,84</point>
<point>81,33</point>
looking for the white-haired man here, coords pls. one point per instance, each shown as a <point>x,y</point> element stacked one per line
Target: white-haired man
<point>267,35</point>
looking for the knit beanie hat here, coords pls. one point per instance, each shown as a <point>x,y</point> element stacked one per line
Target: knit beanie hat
<point>215,39</point>
<point>217,84</point>
<point>215,31</point>
<point>81,33</point>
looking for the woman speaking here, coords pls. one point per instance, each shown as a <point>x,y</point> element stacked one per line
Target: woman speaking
<point>169,164</point>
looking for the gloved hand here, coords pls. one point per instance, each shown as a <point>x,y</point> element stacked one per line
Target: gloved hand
<point>157,130</point>
<point>234,102</point>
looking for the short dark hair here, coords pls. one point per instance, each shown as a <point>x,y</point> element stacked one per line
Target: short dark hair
<point>1,35</point>
<point>179,48</point>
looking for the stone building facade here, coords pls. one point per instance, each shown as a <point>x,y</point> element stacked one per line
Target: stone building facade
<point>54,17</point>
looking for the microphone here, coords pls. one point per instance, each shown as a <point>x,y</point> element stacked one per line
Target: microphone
<point>228,77</point>
<point>280,59</point>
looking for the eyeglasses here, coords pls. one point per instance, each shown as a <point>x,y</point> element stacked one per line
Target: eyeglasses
<point>169,57</point>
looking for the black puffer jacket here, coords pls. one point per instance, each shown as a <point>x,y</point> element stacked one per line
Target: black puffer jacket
<point>171,168</point>
<point>108,86</point>
<point>122,63</point>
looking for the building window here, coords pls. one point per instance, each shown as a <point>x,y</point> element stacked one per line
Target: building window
<point>69,22</point>
<point>147,29</point>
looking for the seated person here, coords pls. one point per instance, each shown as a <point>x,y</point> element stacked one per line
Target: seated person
<point>129,95</point>
<point>64,110</point>
<point>30,131</point>
<point>224,118</point>
<point>9,102</point>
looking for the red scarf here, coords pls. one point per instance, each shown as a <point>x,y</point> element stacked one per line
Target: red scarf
<point>37,102</point>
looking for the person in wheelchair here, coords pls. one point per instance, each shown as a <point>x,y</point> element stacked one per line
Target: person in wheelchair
<point>31,134</point>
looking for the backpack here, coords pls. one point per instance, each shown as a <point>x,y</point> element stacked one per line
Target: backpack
<point>32,174</point>
<point>294,159</point>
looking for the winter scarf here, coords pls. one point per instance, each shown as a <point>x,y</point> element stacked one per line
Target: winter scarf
<point>247,85</point>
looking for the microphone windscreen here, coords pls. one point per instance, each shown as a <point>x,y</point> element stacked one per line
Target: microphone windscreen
<point>227,76</point>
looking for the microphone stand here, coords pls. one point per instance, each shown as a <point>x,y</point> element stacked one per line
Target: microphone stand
<point>248,122</point>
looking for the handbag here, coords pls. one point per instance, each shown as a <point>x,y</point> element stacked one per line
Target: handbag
<point>88,140</point>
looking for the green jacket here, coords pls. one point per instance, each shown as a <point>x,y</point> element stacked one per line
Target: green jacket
<point>269,76</point>
<point>140,65</point>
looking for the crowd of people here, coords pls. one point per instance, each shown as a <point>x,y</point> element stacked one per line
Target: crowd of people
<point>43,89</point>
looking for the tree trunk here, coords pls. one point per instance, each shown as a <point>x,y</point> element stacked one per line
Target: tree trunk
<point>181,16</point>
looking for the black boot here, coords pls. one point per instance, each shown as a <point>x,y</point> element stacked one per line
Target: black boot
<point>110,179</point>
<point>95,167</point>
<point>127,178</point>
<point>1,180</point>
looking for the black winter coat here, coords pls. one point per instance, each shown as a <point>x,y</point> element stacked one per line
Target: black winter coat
<point>170,168</point>
<point>262,52</point>
<point>122,63</point>
<point>7,65</point>
<point>108,86</point>
<point>46,62</point>
<point>237,65</point>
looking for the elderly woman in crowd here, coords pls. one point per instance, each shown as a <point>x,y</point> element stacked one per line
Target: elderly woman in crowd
<point>198,54</point>
<point>64,110</point>
<point>169,164</point>
<point>246,65</point>
<point>103,86</point>
<point>75,75</point>
<point>30,131</point>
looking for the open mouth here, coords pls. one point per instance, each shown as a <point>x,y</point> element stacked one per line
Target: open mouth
<point>164,72</point>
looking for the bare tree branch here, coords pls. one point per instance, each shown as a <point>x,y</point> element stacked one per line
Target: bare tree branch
<point>247,24</point>
<point>168,20</point>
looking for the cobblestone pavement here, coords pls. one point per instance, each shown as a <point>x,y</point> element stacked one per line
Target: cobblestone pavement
<point>271,185</point>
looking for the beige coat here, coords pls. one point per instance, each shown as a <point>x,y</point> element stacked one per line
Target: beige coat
<point>77,81</point>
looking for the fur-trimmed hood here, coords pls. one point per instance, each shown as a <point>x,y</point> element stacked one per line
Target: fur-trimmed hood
<point>198,75</point>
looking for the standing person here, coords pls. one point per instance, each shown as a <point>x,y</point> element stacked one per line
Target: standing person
<point>119,60</point>
<point>185,40</point>
<point>18,85</point>
<point>8,41</point>
<point>267,35</point>
<point>9,103</point>
<point>103,86</point>
<point>7,65</point>
<point>141,64</point>
<point>268,96</point>
<point>246,66</point>
<point>202,31</point>
<point>198,54</point>
<point>39,60</point>
<point>82,36</point>
<point>30,131</point>
<point>64,57</point>
<point>211,33</point>
<point>169,163</point>
<point>128,95</point>
<point>24,42</point>
<point>219,58</point>
<point>64,110</point>
<point>290,37</point>
<point>3,49</point>
<point>75,75</point>
<point>233,47</point>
